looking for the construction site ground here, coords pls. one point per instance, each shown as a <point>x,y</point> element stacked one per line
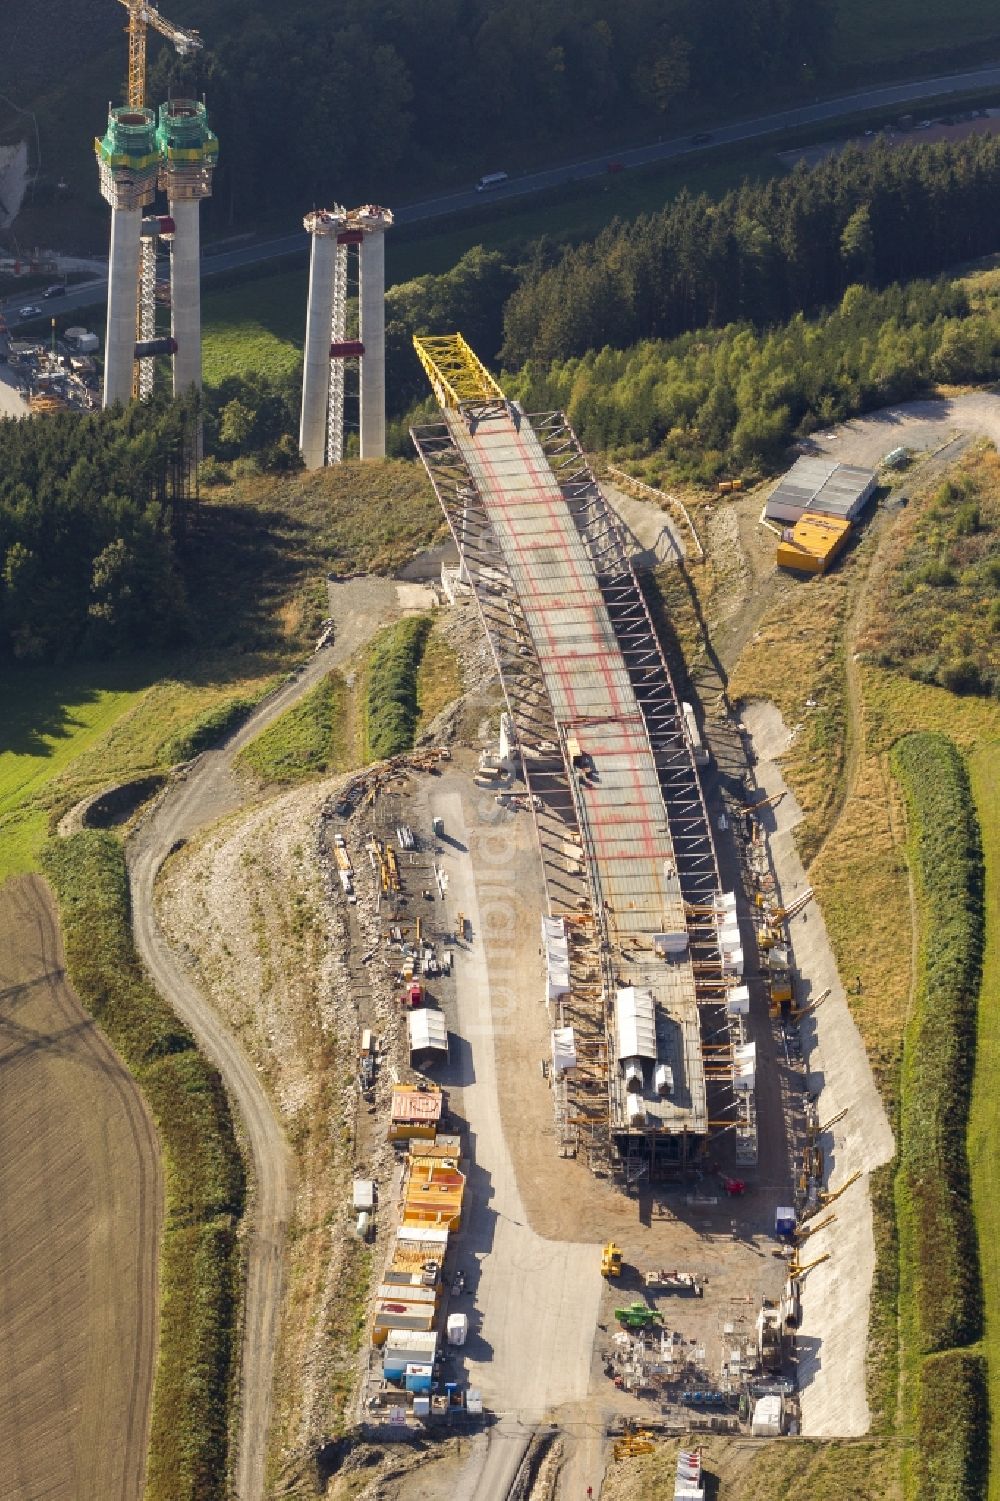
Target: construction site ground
<point>82,1196</point>
<point>834,1332</point>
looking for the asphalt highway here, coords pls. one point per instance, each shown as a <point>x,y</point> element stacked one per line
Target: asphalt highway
<point>222,260</point>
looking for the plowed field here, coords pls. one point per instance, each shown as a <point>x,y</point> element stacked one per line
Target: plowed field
<point>80,1215</point>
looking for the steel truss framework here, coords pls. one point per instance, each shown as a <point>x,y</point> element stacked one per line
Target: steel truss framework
<point>142,384</point>
<point>572,884</point>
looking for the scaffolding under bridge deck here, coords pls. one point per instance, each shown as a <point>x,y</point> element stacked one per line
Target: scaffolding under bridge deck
<point>626,843</point>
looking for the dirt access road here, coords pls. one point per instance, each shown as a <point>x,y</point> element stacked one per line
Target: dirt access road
<point>82,1206</point>
<point>205,793</point>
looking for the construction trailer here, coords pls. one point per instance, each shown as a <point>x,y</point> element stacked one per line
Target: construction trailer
<point>414,1113</point>
<point>813,544</point>
<point>627,848</point>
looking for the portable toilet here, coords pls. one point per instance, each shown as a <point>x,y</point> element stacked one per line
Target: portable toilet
<point>784,1222</point>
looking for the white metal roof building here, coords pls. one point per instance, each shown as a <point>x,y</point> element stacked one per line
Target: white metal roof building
<point>428,1032</point>
<point>820,485</point>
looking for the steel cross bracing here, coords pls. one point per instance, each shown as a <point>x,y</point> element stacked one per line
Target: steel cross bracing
<point>338,333</point>
<point>146,316</point>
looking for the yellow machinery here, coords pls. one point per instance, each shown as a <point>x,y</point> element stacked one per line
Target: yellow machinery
<point>797,1268</point>
<point>639,1442</point>
<point>829,1197</point>
<point>456,374</point>
<point>611,1260</point>
<point>141,15</point>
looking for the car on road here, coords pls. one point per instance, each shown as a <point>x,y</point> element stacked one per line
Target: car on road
<point>616,166</point>
<point>491,180</point>
<point>31,311</point>
<point>702,138</point>
<point>57,289</point>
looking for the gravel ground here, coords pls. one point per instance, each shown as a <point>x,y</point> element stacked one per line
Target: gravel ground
<point>833,1337</point>
<point>921,425</point>
<point>12,403</point>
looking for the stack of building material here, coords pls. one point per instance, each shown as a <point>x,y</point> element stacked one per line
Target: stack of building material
<point>433,1193</point>
<point>813,543</point>
<point>687,1482</point>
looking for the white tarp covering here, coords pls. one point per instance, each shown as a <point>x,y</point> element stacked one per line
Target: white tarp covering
<point>729,935</point>
<point>732,962</point>
<point>744,1065</point>
<point>428,1031</point>
<point>635,1023</point>
<point>430,1235</point>
<point>687,1484</point>
<point>738,1001</point>
<point>766,1421</point>
<point>563,1049</point>
<point>556,946</point>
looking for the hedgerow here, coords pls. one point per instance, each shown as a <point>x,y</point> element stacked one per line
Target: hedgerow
<point>939,1058</point>
<point>207,730</point>
<point>391,708</point>
<point>953,1427</point>
<point>205,1187</point>
<point>933,1186</point>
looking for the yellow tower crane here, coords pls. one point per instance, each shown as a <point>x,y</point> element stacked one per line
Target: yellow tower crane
<point>140,17</point>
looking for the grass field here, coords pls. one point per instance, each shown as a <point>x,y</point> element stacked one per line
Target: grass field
<point>984,1114</point>
<point>52,716</point>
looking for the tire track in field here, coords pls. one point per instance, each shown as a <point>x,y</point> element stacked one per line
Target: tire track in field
<point>79,1231</point>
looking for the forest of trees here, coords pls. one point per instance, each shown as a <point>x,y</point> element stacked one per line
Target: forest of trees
<point>735,397</point>
<point>764,251</point>
<point>308,96</point>
<point>86,546</point>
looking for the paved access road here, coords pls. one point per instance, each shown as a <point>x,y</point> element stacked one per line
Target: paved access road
<point>223,260</point>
